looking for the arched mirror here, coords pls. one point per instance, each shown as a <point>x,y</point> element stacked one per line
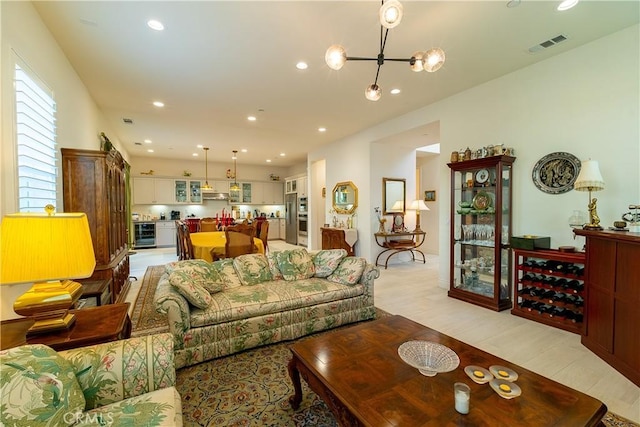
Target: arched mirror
<point>393,195</point>
<point>345,198</point>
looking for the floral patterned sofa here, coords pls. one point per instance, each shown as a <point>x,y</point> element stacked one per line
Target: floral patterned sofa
<point>126,382</point>
<point>216,309</point>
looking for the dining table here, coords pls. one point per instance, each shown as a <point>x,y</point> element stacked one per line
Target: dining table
<point>203,242</point>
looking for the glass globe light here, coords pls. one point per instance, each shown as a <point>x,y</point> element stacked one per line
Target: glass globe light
<point>418,65</point>
<point>390,13</point>
<point>433,59</point>
<point>335,57</point>
<point>373,92</point>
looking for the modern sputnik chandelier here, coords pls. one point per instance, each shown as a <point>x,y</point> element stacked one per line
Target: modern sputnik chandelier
<point>390,16</point>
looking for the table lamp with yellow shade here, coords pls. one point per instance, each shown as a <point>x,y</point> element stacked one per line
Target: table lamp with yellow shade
<point>47,250</point>
<point>418,205</point>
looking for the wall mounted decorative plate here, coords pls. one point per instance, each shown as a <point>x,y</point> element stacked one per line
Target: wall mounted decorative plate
<point>555,173</point>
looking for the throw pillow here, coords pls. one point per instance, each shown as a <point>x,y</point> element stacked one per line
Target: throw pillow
<point>295,264</point>
<point>227,273</point>
<point>201,272</point>
<point>38,387</point>
<point>349,271</point>
<point>189,288</point>
<point>327,260</point>
<point>276,274</point>
<point>252,269</point>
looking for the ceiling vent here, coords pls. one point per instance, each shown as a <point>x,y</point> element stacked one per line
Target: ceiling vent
<point>548,43</point>
<point>127,121</point>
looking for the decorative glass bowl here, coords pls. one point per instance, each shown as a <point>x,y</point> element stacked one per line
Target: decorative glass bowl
<point>428,357</point>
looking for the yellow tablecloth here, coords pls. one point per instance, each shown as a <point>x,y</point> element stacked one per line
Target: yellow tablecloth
<point>204,241</point>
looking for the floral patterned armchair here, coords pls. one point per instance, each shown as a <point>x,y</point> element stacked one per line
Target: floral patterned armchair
<point>127,382</point>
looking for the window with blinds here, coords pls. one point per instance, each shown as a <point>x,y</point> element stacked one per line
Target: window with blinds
<point>36,143</point>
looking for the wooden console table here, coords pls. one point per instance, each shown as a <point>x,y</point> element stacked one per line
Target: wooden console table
<point>395,243</point>
<point>612,286</point>
<point>93,325</point>
<point>336,238</point>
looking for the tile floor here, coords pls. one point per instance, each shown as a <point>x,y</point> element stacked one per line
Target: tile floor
<point>411,289</point>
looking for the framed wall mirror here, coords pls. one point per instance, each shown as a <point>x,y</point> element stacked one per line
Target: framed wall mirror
<point>345,198</point>
<point>393,195</point>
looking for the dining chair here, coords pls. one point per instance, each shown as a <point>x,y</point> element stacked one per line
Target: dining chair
<point>180,240</point>
<point>237,244</point>
<point>263,233</point>
<point>208,224</point>
<point>244,229</point>
<point>184,242</point>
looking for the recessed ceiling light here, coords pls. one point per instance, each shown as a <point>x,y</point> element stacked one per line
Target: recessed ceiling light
<point>268,160</point>
<point>282,154</point>
<point>322,129</point>
<point>251,118</point>
<point>195,154</point>
<point>199,146</point>
<point>395,91</point>
<point>158,104</point>
<point>154,24</point>
<point>149,151</point>
<point>302,65</point>
<point>567,4</point>
<point>147,141</point>
<point>244,150</point>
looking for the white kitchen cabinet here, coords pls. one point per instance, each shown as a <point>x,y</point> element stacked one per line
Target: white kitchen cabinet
<point>283,229</point>
<point>153,191</point>
<point>244,196</point>
<point>165,233</point>
<point>302,186</point>
<point>267,193</point>
<point>274,229</point>
<point>291,186</point>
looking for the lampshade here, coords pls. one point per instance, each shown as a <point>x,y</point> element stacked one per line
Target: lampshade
<point>419,205</point>
<point>46,250</point>
<point>39,247</point>
<point>390,13</point>
<point>589,178</point>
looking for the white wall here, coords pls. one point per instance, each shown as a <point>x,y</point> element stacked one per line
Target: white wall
<point>430,180</point>
<point>79,121</point>
<point>570,102</point>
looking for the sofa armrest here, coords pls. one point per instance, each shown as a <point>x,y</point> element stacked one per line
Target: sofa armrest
<point>169,301</point>
<point>118,370</point>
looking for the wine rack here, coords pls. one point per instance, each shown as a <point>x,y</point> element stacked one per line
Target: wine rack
<point>549,287</point>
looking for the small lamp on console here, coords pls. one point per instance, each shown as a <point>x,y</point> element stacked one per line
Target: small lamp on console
<point>418,205</point>
<point>46,250</point>
<point>589,179</point>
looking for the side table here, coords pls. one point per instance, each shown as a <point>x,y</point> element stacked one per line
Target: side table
<point>93,325</point>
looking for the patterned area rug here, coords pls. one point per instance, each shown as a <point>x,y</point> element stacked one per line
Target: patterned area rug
<point>145,320</point>
<point>252,388</point>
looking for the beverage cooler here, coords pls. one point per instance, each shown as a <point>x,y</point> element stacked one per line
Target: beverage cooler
<point>145,234</point>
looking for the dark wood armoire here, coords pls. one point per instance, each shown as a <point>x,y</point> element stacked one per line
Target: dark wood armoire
<point>94,182</point>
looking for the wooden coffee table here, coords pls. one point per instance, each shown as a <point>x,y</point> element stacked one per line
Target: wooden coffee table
<point>357,372</point>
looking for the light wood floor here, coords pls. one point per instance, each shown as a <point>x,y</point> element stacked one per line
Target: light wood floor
<point>411,289</point>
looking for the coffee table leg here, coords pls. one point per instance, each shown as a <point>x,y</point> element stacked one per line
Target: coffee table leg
<point>296,399</point>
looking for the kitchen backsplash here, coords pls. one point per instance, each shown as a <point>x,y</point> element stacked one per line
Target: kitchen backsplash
<point>208,209</point>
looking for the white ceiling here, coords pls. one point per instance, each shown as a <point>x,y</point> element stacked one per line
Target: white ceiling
<point>218,62</point>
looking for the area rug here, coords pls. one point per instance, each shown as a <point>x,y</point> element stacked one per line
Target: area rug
<point>252,389</point>
<point>145,320</point>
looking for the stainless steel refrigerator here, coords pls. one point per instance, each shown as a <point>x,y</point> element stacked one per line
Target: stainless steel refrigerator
<point>291,216</point>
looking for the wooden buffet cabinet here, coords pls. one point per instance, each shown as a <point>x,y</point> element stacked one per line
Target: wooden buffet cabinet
<point>612,314</point>
<point>94,182</point>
